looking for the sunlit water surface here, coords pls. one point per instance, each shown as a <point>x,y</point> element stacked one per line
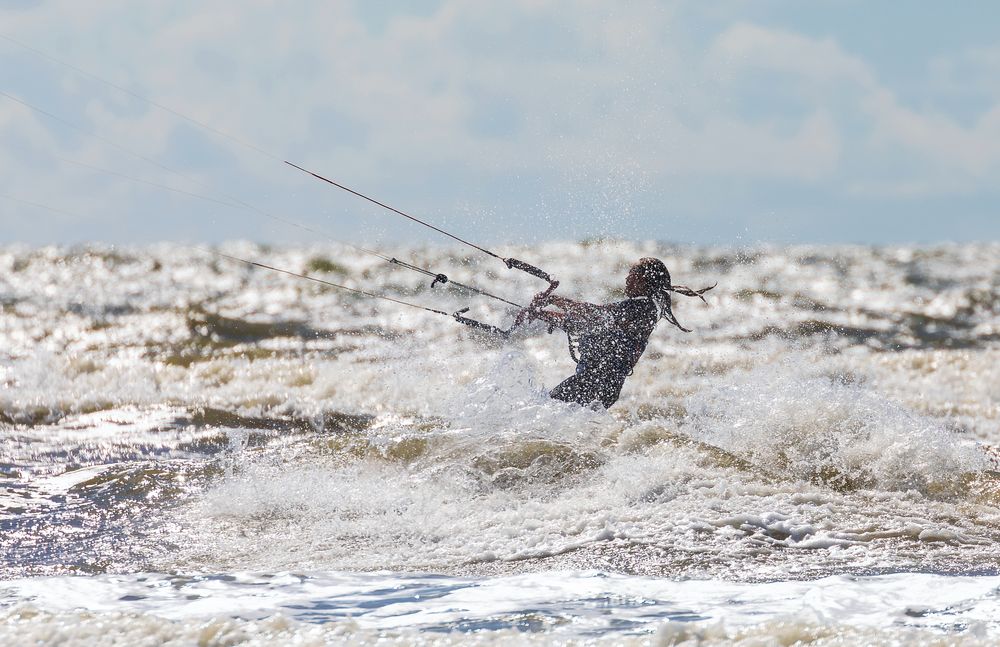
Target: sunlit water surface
<point>196,450</point>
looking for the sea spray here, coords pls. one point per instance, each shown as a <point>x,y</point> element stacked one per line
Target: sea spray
<point>175,426</point>
<point>790,420</point>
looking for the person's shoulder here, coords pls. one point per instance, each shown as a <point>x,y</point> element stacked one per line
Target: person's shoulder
<point>636,306</point>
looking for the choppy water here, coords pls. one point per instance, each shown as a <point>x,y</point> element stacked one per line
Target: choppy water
<point>195,450</point>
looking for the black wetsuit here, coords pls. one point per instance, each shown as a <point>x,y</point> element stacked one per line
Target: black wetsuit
<point>608,350</point>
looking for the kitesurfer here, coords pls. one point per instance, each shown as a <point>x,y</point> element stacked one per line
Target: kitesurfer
<point>606,341</point>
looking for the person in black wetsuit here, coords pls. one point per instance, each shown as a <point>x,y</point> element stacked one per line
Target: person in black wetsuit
<point>607,341</point>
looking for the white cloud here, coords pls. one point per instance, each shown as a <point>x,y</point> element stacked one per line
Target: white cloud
<point>413,83</point>
<point>971,151</point>
<point>970,71</point>
<point>587,89</point>
<point>937,153</point>
<point>819,60</point>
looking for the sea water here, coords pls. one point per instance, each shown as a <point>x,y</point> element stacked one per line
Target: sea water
<point>195,451</point>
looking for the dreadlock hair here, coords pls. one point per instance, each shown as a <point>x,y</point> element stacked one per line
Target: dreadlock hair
<point>656,278</point>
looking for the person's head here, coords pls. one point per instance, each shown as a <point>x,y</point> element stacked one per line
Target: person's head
<point>647,278</point>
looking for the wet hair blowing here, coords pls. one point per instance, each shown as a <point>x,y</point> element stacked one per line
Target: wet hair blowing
<point>656,279</point>
<point>653,273</point>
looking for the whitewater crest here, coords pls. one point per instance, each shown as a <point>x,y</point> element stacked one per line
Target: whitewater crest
<point>168,414</point>
<point>827,429</point>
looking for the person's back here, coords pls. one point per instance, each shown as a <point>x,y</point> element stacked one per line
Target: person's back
<point>608,352</point>
<point>607,341</point>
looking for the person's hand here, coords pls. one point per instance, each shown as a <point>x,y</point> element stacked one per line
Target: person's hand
<point>540,300</point>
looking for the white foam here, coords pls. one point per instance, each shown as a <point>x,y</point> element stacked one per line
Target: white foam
<point>842,456</point>
<point>787,419</point>
<point>580,606</point>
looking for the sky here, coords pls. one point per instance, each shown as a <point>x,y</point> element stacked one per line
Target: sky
<point>730,122</point>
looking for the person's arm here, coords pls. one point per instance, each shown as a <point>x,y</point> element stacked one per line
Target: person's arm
<point>577,316</point>
<point>557,319</point>
<point>579,309</point>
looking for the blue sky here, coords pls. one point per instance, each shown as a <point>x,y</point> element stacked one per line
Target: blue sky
<point>730,122</point>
